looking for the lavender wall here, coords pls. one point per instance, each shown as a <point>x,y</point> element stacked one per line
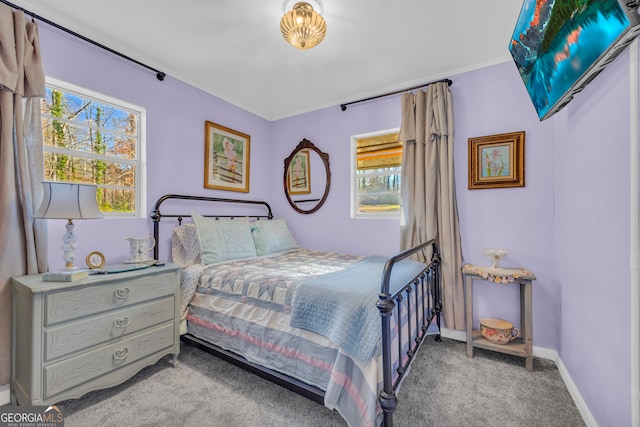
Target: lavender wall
<point>176,113</point>
<point>486,102</point>
<point>574,204</point>
<point>330,129</point>
<point>592,243</point>
<point>493,101</point>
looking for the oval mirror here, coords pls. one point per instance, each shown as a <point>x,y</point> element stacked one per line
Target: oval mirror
<point>307,177</point>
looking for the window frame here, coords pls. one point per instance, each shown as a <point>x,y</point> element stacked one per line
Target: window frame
<point>355,214</point>
<point>139,163</point>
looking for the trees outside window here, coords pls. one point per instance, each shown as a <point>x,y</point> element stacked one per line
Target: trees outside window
<point>94,139</point>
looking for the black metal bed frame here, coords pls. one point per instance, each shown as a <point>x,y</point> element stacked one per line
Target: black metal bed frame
<point>389,304</point>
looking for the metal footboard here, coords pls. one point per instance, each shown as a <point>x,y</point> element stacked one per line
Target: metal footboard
<point>423,309</point>
<point>418,300</point>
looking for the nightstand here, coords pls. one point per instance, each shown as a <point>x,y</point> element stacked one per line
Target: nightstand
<point>70,338</point>
<point>504,276</point>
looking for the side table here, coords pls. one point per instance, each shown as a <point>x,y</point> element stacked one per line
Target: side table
<point>503,276</point>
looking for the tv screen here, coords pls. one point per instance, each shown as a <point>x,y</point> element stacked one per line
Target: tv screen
<point>561,45</point>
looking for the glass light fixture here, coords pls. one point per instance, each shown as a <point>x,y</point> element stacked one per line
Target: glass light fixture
<point>64,200</point>
<point>301,26</point>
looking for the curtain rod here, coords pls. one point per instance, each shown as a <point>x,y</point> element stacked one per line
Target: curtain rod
<point>159,74</point>
<point>343,107</point>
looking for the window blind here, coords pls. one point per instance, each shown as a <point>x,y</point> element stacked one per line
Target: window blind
<point>377,152</point>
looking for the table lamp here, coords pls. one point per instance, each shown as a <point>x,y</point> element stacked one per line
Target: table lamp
<point>65,200</point>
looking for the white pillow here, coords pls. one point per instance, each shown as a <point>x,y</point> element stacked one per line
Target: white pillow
<point>185,246</point>
<point>272,236</point>
<point>221,240</point>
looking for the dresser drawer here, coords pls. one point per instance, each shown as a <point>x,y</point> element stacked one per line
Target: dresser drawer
<point>92,299</point>
<point>87,366</point>
<point>80,334</point>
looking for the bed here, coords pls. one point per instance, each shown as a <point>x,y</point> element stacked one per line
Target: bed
<point>339,329</point>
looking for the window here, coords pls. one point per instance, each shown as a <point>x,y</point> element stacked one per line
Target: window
<point>376,166</point>
<point>94,139</point>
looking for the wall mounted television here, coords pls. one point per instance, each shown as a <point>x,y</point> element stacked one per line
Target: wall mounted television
<point>559,46</point>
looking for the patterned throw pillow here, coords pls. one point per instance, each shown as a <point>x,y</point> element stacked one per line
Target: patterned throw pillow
<point>185,246</point>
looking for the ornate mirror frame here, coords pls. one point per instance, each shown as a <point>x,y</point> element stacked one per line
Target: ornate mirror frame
<point>305,144</point>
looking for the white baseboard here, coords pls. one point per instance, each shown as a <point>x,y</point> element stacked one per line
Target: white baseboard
<point>545,353</point>
<point>575,394</point>
<point>453,334</point>
<point>5,394</point>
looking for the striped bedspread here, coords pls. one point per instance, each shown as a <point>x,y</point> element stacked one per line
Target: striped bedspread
<point>245,306</point>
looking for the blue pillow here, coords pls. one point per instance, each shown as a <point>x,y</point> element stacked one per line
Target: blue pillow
<point>272,236</point>
<point>221,240</point>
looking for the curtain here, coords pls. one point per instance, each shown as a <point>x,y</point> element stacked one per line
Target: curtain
<point>22,240</point>
<point>429,209</point>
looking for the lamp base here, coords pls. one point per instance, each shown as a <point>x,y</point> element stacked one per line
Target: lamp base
<point>69,246</point>
<point>65,275</point>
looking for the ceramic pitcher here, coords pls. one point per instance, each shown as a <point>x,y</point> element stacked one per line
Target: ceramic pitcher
<point>139,248</point>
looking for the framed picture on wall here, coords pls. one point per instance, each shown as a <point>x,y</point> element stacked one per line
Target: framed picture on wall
<point>226,158</point>
<point>299,177</point>
<point>496,161</point>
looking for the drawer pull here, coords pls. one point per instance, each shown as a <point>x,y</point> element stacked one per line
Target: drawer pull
<point>122,293</point>
<point>122,322</point>
<point>121,354</point>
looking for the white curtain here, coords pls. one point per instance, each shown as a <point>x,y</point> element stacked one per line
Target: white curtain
<point>22,240</point>
<point>428,190</point>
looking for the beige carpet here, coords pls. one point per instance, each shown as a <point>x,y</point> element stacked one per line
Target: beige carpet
<point>444,388</point>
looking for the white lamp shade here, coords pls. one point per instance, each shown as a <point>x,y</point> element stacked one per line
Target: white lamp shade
<point>65,200</point>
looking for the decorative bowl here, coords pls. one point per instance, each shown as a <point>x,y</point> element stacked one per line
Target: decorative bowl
<point>495,255</point>
<point>498,331</point>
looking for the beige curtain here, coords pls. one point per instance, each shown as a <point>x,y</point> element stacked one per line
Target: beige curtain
<point>428,191</point>
<point>22,241</point>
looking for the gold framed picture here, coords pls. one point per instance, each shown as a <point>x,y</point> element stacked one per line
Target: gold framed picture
<point>299,176</point>
<point>226,158</point>
<point>496,161</point>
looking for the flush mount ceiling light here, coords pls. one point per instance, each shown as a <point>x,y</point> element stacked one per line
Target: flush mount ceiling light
<point>301,26</point>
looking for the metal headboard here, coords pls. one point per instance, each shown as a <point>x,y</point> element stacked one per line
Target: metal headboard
<point>156,216</point>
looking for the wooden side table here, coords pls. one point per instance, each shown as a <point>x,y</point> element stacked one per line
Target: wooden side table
<point>503,276</point>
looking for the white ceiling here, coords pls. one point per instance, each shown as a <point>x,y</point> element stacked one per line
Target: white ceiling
<point>233,49</point>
